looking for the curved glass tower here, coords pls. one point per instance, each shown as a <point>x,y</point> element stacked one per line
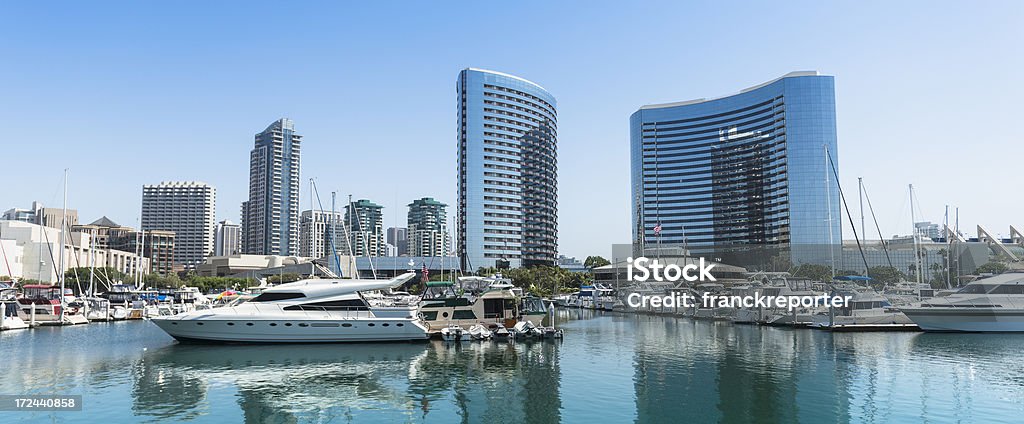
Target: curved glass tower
<point>508,190</point>
<point>744,178</point>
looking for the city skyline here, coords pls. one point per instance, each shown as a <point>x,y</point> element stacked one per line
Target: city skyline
<point>890,117</point>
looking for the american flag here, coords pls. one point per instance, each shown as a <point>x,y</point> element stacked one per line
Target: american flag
<point>426,273</point>
<point>657,229</point>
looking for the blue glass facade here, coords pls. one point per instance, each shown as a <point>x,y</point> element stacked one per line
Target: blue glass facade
<point>508,204</point>
<point>743,178</point>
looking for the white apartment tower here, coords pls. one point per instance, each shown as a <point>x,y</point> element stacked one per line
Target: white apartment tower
<point>187,209</point>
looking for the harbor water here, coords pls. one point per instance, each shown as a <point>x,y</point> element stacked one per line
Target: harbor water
<point>614,368</point>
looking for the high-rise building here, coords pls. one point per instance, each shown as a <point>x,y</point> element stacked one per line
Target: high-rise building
<point>744,178</point>
<point>365,228</point>
<point>399,238</point>
<point>428,228</point>
<point>315,229</point>
<point>508,173</point>
<point>227,240</point>
<point>39,215</point>
<point>270,217</point>
<point>186,209</point>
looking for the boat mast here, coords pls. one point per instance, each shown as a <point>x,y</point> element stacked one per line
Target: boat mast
<point>92,260</point>
<point>917,257</point>
<point>860,191</point>
<point>828,223</point>
<point>949,246</point>
<point>63,221</point>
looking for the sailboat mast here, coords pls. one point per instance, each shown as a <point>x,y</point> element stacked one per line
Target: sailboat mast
<point>860,191</point>
<point>63,222</point>
<point>917,258</point>
<point>828,205</point>
<point>92,260</point>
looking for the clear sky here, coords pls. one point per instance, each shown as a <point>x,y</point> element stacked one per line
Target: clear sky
<point>133,93</point>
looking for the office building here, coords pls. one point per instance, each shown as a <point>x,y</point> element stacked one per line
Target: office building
<point>315,229</point>
<point>508,191</point>
<point>158,245</point>
<point>428,228</point>
<point>187,210</point>
<point>743,178</point>
<point>227,239</point>
<point>270,218</point>
<point>399,237</point>
<point>365,228</point>
<point>39,215</point>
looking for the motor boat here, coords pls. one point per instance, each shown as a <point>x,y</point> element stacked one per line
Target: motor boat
<point>454,333</point>
<point>305,311</point>
<point>498,305</point>
<point>866,310</point>
<point>49,306</point>
<point>10,309</point>
<point>993,304</point>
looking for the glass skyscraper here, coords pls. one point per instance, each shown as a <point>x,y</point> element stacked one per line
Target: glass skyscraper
<point>270,218</point>
<point>744,179</point>
<point>508,190</point>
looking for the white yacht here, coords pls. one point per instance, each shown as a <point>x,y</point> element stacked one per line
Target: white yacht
<point>306,311</point>
<point>994,304</point>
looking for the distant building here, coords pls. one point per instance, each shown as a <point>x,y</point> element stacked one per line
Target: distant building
<point>428,228</point>
<point>158,245</point>
<point>508,171</point>
<point>928,230</point>
<point>315,229</point>
<point>187,210</point>
<point>571,264</point>
<point>260,266</point>
<point>398,237</point>
<point>104,231</point>
<point>39,215</point>
<point>270,218</point>
<point>227,239</point>
<point>34,252</point>
<point>365,228</point>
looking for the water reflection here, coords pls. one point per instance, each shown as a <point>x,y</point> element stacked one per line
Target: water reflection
<point>609,368</point>
<point>469,382</point>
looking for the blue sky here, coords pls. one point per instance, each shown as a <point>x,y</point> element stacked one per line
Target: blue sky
<point>135,93</point>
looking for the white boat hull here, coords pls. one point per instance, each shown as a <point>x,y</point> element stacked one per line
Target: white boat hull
<point>290,330</point>
<point>978,320</point>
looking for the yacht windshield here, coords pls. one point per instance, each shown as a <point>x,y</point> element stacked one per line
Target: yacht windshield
<point>270,297</point>
<point>976,288</point>
<point>1009,289</point>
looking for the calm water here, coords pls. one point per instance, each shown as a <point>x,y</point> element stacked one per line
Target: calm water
<point>610,368</point>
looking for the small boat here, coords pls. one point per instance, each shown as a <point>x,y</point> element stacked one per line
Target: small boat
<point>98,309</point>
<point>480,332</point>
<point>119,313</point>
<point>9,319</point>
<point>526,329</point>
<point>454,333</point>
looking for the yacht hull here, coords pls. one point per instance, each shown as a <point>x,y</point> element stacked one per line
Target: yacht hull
<point>967,321</point>
<point>288,330</point>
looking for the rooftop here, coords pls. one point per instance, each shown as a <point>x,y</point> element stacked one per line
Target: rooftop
<point>702,100</point>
